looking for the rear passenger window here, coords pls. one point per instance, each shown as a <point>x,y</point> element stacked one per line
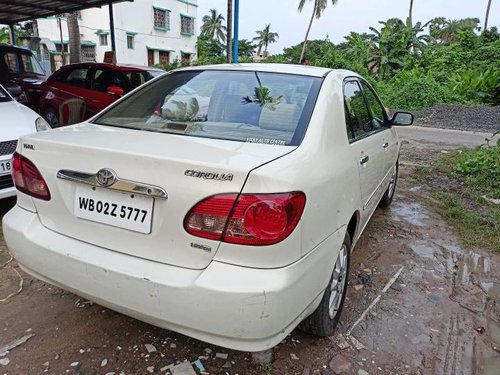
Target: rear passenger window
<point>77,77</point>
<point>358,118</point>
<point>104,78</point>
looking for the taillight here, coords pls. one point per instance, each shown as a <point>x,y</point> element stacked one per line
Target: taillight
<point>28,179</point>
<point>247,219</point>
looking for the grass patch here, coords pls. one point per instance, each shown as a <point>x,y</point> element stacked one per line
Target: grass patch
<point>463,181</point>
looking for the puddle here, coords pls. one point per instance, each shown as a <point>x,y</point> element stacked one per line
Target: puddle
<point>491,366</point>
<point>423,249</point>
<point>493,330</point>
<point>412,213</point>
<point>492,290</point>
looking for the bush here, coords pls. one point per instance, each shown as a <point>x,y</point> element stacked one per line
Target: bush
<point>414,90</point>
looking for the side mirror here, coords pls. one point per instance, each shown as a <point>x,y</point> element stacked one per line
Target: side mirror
<point>14,90</point>
<point>115,90</point>
<point>402,119</point>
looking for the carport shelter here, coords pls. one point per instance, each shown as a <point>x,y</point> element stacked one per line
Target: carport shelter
<point>16,11</point>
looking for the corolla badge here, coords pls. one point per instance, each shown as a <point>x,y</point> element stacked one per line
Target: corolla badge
<point>106,177</point>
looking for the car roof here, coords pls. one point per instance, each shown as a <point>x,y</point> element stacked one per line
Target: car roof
<point>121,67</point>
<point>305,70</point>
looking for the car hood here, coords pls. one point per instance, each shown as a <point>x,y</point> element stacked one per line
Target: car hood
<point>23,79</point>
<point>17,120</point>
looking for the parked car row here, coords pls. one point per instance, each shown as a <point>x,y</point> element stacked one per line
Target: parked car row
<point>87,88</point>
<point>221,202</point>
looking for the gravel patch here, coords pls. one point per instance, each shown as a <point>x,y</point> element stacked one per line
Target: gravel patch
<point>459,117</point>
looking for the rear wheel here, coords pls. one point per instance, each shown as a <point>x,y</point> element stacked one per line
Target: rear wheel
<point>324,319</point>
<point>52,117</point>
<point>386,199</point>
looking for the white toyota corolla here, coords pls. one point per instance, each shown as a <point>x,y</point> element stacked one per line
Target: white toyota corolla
<point>16,120</point>
<point>231,220</point>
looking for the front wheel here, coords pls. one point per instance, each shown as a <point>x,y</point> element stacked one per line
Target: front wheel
<point>386,199</point>
<point>324,319</point>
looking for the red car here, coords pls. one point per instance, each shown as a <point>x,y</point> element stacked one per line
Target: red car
<point>76,92</point>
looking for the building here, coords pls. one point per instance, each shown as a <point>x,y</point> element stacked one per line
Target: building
<point>147,32</point>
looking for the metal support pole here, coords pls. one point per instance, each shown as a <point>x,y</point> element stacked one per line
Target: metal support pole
<point>112,28</point>
<point>12,34</point>
<point>235,31</point>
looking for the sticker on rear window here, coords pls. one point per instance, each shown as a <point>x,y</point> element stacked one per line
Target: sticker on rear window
<point>267,141</point>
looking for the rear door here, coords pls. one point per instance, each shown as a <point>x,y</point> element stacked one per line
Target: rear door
<point>366,144</point>
<point>73,84</point>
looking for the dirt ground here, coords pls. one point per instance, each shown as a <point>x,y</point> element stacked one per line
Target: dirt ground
<point>441,315</point>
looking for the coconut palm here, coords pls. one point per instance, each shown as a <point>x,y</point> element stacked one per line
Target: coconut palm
<point>264,38</point>
<point>213,27</point>
<point>319,7</point>
<point>410,13</point>
<point>487,15</point>
<point>75,47</point>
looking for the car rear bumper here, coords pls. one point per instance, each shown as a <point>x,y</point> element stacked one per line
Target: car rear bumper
<point>7,192</point>
<point>236,307</point>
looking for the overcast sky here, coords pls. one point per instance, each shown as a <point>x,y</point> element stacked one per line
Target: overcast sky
<point>338,21</point>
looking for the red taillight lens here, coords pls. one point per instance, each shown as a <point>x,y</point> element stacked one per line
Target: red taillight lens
<point>28,179</point>
<point>247,219</point>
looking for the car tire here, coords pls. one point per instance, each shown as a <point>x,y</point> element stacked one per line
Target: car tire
<point>386,199</point>
<point>52,117</point>
<point>324,319</point>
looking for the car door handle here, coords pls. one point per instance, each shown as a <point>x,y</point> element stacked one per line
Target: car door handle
<point>385,145</point>
<point>364,159</point>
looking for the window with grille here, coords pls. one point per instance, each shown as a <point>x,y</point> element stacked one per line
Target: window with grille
<point>161,18</point>
<point>187,25</point>
<point>88,54</point>
<point>164,57</point>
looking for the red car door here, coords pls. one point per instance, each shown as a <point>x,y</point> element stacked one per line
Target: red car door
<point>102,79</point>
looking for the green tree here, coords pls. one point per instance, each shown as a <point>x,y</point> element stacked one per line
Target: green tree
<point>246,48</point>
<point>4,35</point>
<point>213,27</point>
<point>319,7</point>
<point>264,38</point>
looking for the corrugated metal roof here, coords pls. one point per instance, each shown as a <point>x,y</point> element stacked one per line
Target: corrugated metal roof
<point>15,11</point>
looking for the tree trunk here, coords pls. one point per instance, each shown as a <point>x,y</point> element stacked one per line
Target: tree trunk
<point>229,30</point>
<point>307,33</point>
<point>487,15</point>
<point>410,14</point>
<point>75,48</point>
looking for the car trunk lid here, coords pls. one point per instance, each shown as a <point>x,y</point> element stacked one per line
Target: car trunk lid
<point>187,169</point>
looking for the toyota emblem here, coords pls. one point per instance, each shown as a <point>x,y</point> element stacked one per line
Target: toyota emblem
<point>106,177</point>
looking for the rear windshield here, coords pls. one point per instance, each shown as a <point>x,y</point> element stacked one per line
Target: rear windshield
<point>256,107</point>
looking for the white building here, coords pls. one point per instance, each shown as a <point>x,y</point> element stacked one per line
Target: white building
<point>147,32</point>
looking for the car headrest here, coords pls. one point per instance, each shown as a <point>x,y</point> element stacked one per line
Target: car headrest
<point>281,116</point>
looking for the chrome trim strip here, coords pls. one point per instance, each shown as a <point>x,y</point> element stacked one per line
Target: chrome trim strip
<point>120,184</point>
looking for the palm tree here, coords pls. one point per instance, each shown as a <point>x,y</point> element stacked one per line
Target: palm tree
<point>212,27</point>
<point>410,12</point>
<point>229,29</point>
<point>487,15</point>
<point>264,38</point>
<point>75,48</point>
<point>319,7</point>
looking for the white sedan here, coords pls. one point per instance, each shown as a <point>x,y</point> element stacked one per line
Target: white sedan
<point>16,120</point>
<point>232,224</point>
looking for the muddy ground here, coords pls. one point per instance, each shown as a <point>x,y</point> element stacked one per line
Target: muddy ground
<point>441,315</point>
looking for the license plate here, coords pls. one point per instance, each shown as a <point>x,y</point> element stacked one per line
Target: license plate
<point>124,210</point>
<point>5,167</point>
